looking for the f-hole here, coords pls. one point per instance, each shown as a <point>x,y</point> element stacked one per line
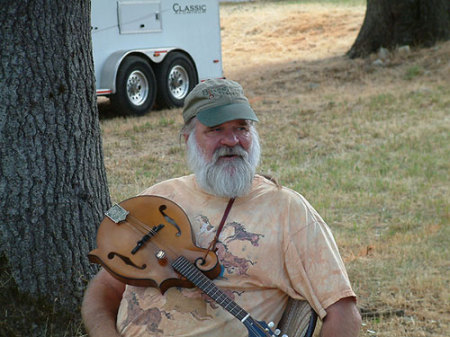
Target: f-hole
<point>162,208</point>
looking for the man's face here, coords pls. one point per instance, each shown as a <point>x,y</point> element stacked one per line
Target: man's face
<point>228,134</point>
<point>224,157</point>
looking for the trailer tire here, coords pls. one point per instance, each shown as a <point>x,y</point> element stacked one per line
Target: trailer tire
<point>176,77</point>
<point>135,87</point>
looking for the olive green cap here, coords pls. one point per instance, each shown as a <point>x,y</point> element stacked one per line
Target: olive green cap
<point>217,101</point>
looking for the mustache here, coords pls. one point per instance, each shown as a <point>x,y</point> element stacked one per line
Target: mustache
<point>230,151</point>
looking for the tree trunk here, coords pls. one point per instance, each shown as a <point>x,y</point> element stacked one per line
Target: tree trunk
<point>391,23</point>
<point>53,188</point>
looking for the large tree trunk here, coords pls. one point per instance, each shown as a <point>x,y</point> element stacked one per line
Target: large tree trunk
<point>391,23</point>
<point>53,187</point>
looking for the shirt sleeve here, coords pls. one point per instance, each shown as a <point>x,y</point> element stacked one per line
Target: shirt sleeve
<point>314,266</point>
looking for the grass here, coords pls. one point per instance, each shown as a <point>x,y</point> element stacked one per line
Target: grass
<point>367,145</point>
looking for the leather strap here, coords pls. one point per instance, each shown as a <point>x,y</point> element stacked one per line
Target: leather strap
<point>212,245</point>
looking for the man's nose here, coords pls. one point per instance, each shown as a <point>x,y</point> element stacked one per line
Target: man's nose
<point>229,138</point>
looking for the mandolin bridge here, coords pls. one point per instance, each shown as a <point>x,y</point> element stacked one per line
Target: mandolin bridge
<point>147,237</point>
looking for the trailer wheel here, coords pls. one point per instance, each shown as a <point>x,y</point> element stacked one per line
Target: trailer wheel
<point>135,86</point>
<point>176,78</point>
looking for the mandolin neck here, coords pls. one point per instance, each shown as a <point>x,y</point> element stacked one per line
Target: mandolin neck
<point>188,270</point>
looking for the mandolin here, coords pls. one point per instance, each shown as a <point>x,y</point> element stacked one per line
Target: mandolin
<point>148,241</point>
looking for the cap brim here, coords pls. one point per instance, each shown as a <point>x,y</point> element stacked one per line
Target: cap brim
<point>225,113</point>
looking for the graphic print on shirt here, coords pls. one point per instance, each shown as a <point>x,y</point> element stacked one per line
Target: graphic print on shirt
<point>233,231</point>
<point>151,318</point>
<point>187,301</point>
<point>230,262</point>
<point>205,226</point>
<point>241,234</point>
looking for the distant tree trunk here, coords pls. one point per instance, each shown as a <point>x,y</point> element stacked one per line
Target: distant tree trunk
<point>391,23</point>
<point>53,187</point>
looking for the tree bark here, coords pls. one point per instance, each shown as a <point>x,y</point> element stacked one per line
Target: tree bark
<point>53,188</point>
<point>391,23</point>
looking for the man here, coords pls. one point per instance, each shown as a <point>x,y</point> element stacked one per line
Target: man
<point>273,246</point>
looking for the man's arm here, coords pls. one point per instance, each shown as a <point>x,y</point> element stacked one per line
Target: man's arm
<point>100,305</point>
<point>342,319</point>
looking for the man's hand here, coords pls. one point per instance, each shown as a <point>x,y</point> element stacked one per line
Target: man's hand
<point>342,319</point>
<point>101,304</point>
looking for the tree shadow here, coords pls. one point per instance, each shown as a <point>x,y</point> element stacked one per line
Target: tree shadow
<point>107,110</point>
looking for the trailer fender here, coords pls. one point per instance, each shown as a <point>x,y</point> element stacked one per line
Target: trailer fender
<point>111,66</point>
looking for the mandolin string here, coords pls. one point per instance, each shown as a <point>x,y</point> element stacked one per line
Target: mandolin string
<point>133,227</point>
<point>145,229</point>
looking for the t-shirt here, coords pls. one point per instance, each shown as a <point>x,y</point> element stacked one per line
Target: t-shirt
<point>273,246</point>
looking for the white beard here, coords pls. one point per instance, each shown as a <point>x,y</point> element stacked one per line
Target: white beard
<point>230,178</point>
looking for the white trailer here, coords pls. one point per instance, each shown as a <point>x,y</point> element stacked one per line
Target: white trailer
<point>154,50</point>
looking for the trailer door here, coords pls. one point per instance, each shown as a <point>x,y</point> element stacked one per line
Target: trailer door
<point>139,17</point>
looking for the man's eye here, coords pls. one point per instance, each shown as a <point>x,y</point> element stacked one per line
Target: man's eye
<point>214,130</point>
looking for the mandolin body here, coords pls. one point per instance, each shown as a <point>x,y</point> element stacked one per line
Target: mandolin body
<point>140,237</point>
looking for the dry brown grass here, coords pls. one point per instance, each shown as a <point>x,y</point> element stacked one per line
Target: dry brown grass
<point>367,145</point>
<point>266,34</point>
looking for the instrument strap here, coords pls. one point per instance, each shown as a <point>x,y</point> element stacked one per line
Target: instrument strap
<point>212,245</point>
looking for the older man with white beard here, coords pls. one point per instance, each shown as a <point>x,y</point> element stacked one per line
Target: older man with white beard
<point>273,244</point>
<point>230,170</point>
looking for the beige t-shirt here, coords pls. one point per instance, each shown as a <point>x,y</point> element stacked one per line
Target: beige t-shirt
<point>274,245</point>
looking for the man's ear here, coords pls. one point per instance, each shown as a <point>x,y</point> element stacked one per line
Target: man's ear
<point>186,137</point>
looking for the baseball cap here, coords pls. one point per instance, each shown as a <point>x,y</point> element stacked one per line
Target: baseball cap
<point>216,101</point>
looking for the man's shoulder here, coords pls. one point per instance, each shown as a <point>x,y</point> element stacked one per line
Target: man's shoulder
<point>270,188</point>
<point>271,185</point>
<point>168,186</point>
